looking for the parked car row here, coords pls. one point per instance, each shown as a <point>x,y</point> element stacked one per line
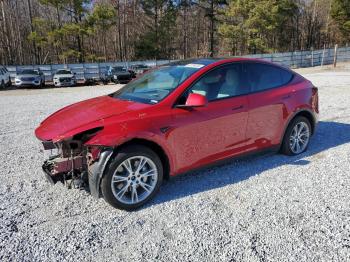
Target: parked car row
<point>66,77</point>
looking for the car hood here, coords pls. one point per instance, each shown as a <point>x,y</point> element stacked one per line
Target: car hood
<point>83,116</point>
<point>26,75</point>
<point>65,75</point>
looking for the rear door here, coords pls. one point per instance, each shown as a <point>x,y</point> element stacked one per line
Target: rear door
<point>271,95</point>
<point>203,135</point>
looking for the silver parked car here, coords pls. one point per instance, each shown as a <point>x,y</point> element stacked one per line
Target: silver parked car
<point>30,77</point>
<point>64,77</point>
<point>5,78</point>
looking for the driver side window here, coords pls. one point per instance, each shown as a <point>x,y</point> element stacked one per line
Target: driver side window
<point>223,82</point>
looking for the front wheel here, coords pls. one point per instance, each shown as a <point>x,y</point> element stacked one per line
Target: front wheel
<point>132,178</point>
<point>297,137</point>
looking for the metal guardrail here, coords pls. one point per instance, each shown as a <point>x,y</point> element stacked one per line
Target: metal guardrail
<point>295,59</point>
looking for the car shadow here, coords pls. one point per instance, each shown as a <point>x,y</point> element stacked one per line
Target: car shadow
<point>328,135</point>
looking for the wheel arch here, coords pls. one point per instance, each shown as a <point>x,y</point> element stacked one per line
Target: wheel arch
<point>153,146</point>
<point>98,170</point>
<point>309,116</point>
<point>305,113</point>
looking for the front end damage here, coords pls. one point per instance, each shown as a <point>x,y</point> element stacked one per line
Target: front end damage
<point>75,164</point>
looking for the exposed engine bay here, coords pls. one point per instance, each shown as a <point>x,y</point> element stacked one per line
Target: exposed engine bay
<point>70,160</point>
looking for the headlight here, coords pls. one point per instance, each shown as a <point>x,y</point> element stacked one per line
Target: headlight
<point>87,135</point>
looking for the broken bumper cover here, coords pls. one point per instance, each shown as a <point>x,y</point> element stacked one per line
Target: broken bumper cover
<point>56,167</point>
<point>47,173</point>
<point>96,171</point>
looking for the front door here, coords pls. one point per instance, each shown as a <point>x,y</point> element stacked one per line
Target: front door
<point>203,135</point>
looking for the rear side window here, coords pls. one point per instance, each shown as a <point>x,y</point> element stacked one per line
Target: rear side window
<point>261,77</point>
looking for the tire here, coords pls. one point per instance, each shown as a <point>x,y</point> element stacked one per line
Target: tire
<point>9,83</point>
<point>2,84</point>
<point>125,183</point>
<point>291,140</point>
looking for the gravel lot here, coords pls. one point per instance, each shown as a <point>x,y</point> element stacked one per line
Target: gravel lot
<point>265,208</point>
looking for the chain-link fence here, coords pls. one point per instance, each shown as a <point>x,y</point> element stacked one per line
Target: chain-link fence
<point>290,59</point>
<point>309,58</point>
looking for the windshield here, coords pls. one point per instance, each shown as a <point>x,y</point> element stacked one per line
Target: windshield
<point>29,72</point>
<point>118,69</point>
<point>139,66</point>
<point>156,85</point>
<point>64,72</point>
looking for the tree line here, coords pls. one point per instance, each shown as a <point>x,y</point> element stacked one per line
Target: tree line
<point>70,31</point>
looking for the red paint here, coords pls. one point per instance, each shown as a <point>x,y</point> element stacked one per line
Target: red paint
<point>196,100</point>
<point>193,138</point>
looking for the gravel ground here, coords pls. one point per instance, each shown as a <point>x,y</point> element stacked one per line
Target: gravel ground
<point>265,208</point>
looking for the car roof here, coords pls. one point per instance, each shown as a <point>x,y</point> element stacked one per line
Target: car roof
<point>223,60</point>
<point>29,69</point>
<point>200,61</point>
<point>208,61</point>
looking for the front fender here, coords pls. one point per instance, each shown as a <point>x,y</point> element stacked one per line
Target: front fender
<point>110,143</point>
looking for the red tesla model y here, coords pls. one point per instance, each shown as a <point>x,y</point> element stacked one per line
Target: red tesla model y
<point>177,118</point>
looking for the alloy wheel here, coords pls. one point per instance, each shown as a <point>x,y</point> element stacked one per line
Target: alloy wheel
<point>134,179</point>
<point>299,137</point>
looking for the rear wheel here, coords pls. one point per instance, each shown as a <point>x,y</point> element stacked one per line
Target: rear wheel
<point>2,84</point>
<point>132,178</point>
<point>297,136</point>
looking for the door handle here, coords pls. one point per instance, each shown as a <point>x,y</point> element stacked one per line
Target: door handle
<point>237,108</point>
<point>286,97</point>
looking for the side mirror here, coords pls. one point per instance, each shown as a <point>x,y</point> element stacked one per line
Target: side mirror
<point>194,100</point>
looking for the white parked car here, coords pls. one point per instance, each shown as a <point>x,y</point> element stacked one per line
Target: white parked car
<point>30,77</point>
<point>5,78</point>
<point>64,77</point>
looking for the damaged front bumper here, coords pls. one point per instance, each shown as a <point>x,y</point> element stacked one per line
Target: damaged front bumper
<point>59,168</point>
<point>77,168</point>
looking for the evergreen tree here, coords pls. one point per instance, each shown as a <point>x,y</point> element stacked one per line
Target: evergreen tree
<point>157,41</point>
<point>261,26</point>
<point>340,12</point>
